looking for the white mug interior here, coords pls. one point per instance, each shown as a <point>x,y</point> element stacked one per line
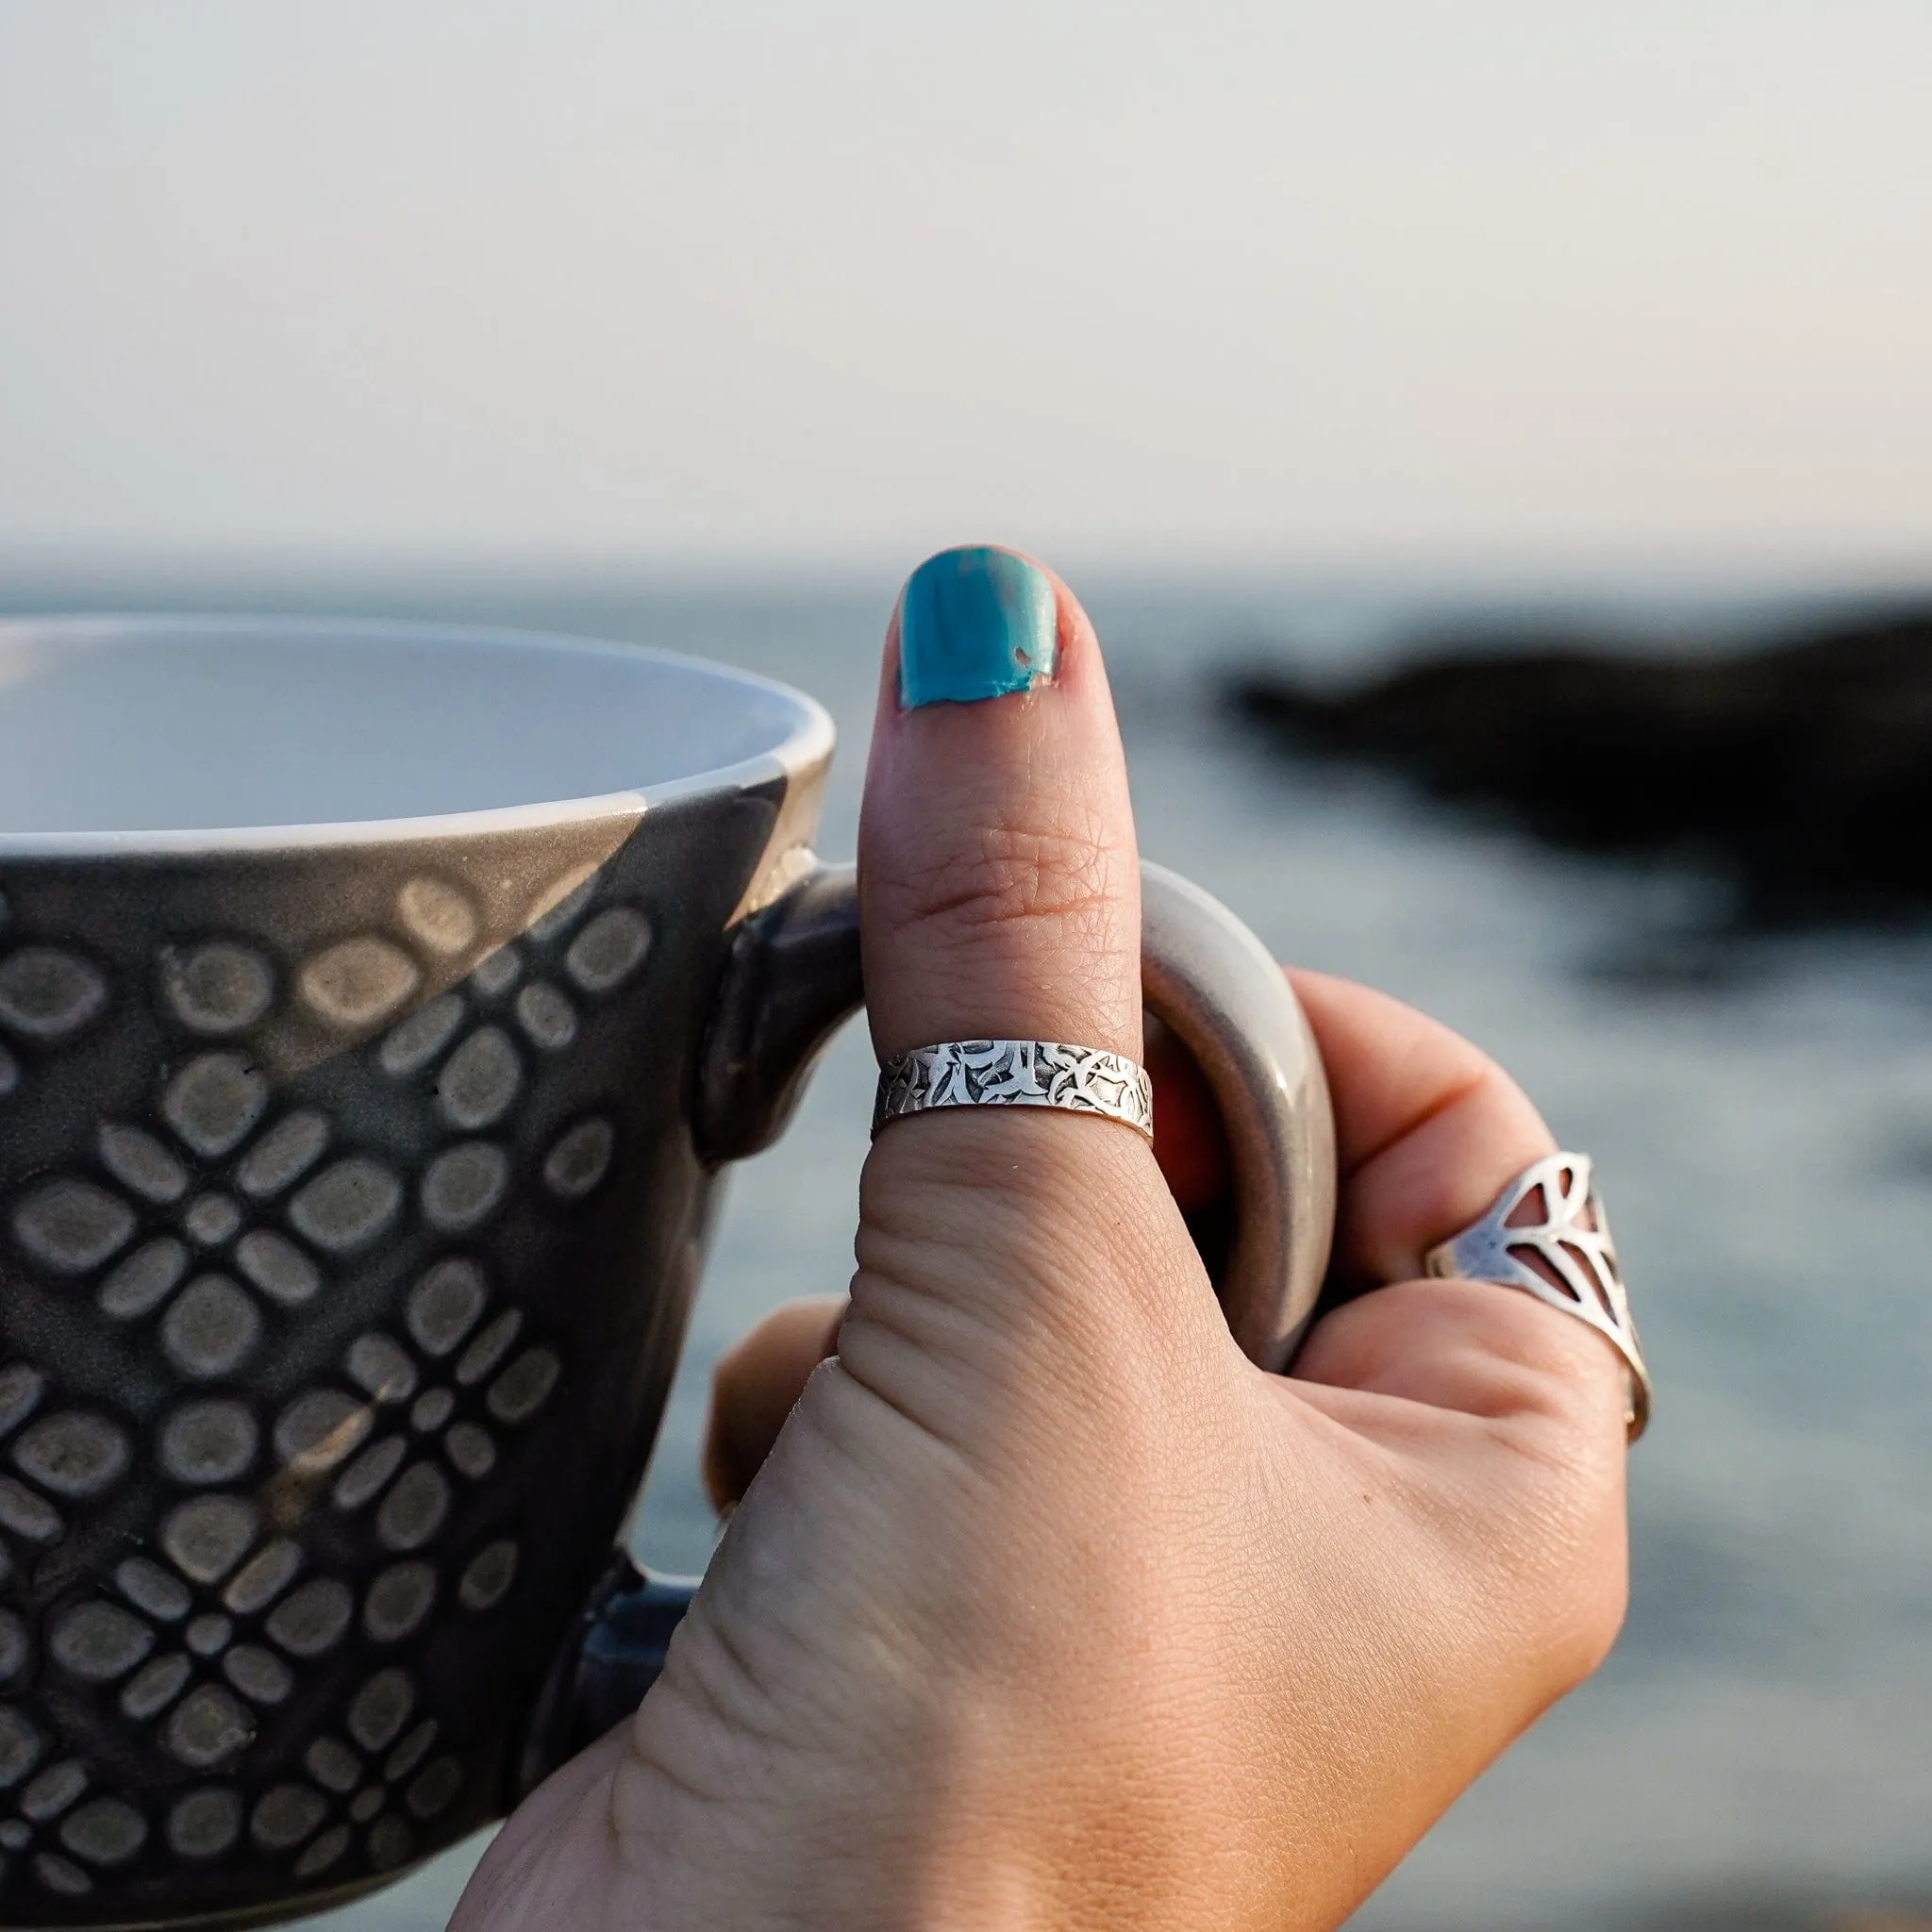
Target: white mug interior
<point>143,729</point>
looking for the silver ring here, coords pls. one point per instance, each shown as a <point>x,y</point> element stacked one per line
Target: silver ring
<point>1016,1072</point>
<point>1558,1247</point>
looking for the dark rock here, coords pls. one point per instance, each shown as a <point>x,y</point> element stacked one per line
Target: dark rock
<point>1806,769</point>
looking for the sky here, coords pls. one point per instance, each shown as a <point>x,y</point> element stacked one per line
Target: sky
<point>812,282</point>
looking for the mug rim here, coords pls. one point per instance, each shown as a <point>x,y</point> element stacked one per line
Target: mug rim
<point>807,746</point>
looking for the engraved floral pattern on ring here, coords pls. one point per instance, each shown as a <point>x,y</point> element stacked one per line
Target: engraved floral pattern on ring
<point>1016,1072</point>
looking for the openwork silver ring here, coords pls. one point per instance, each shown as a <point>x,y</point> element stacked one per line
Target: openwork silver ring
<point>1546,1233</point>
<point>1016,1072</point>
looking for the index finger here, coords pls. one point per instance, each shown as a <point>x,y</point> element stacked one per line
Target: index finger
<point>1428,1127</point>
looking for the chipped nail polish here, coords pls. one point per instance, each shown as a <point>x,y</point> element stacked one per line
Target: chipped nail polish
<point>975,623</point>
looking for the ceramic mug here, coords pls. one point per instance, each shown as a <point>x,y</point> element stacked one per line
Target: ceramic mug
<point>378,1008</point>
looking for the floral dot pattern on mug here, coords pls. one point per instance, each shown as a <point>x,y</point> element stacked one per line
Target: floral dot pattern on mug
<point>241,1567</point>
<point>49,994</point>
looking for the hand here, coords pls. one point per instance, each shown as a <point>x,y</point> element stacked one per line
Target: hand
<point>1046,1608</point>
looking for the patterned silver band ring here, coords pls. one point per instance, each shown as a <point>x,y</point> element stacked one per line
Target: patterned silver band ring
<point>1546,1233</point>
<point>1015,1073</point>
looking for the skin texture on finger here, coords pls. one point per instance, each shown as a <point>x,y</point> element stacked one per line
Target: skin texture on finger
<point>758,1380</point>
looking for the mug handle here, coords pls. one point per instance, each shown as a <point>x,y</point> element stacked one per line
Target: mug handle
<point>790,979</point>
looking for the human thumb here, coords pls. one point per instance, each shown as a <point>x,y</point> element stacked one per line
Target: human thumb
<point>999,896</point>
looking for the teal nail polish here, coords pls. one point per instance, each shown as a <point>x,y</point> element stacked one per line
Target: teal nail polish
<point>975,624</point>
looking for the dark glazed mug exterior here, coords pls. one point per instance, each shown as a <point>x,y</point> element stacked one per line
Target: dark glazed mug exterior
<point>355,1175</point>
<point>350,1216</point>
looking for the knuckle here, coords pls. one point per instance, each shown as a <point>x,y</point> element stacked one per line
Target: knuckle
<point>1570,1419</point>
<point>1012,873</point>
<point>1559,1382</point>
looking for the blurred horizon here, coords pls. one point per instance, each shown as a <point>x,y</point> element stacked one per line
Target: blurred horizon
<point>1486,578</point>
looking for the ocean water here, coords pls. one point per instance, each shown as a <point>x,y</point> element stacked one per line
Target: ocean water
<point>1760,1747</point>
